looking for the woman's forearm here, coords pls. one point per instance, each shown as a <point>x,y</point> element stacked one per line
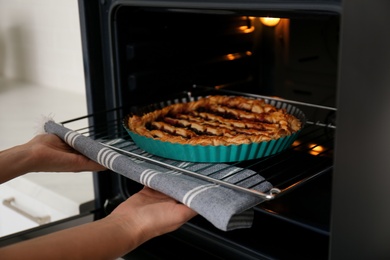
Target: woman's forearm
<point>43,153</point>
<point>141,217</point>
<point>144,215</point>
<point>14,162</point>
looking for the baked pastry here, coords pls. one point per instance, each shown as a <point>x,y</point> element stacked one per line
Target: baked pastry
<point>216,120</point>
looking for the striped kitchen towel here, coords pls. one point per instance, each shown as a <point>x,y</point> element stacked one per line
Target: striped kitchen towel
<point>226,208</point>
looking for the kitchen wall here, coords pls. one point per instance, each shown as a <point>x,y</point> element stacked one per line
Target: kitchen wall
<point>41,75</point>
<point>40,43</point>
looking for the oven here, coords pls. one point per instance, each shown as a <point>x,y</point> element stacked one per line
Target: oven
<point>327,58</point>
<point>157,51</point>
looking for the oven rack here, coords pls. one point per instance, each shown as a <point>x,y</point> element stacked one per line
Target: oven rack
<point>124,151</point>
<point>310,156</point>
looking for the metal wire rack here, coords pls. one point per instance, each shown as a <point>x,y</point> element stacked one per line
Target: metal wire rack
<point>310,156</point>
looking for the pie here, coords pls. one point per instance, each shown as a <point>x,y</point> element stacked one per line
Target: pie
<point>216,120</point>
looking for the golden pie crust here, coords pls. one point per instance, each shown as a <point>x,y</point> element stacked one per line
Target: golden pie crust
<point>216,120</point>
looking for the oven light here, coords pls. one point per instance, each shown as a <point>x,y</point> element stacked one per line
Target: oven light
<point>296,143</point>
<point>269,21</point>
<point>316,149</point>
<point>234,56</point>
<point>231,56</point>
<point>246,29</point>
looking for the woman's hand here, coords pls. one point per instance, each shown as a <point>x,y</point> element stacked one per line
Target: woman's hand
<point>141,217</point>
<point>151,213</point>
<point>44,153</point>
<point>144,215</point>
<point>51,154</point>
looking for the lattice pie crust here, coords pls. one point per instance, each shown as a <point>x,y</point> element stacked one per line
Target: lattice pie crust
<point>216,120</point>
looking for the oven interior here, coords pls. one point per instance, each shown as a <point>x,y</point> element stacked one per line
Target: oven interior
<point>154,54</point>
<point>163,51</point>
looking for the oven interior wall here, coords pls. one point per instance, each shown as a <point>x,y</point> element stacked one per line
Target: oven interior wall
<point>163,51</point>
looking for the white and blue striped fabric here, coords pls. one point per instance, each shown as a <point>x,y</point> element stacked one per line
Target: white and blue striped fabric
<point>225,208</point>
